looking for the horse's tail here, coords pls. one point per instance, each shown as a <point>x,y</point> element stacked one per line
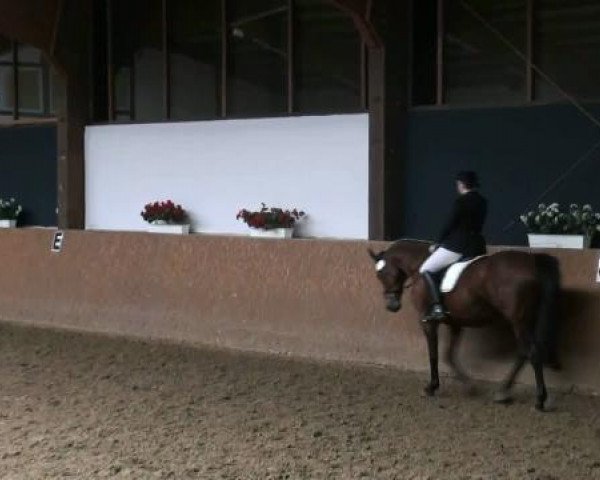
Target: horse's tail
<point>546,330</point>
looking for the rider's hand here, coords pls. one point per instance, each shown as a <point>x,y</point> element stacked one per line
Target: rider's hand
<point>433,248</point>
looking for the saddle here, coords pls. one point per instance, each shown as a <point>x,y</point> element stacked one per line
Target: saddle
<point>448,278</point>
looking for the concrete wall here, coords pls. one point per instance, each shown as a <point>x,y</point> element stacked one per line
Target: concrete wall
<point>317,164</point>
<point>309,298</point>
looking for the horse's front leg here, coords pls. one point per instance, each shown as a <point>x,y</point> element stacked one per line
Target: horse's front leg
<point>431,332</point>
<point>538,368</point>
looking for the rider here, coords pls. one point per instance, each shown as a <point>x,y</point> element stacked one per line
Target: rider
<point>460,238</point>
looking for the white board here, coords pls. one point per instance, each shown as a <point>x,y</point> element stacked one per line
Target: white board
<point>317,164</point>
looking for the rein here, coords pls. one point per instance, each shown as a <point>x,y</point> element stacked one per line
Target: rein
<point>409,285</point>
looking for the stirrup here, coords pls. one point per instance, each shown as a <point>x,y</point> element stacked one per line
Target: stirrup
<point>436,314</point>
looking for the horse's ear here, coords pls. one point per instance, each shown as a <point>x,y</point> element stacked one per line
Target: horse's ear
<point>375,256</point>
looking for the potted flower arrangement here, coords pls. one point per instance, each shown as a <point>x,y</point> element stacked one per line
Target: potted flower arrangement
<point>551,227</point>
<point>270,221</point>
<point>166,217</point>
<point>9,212</point>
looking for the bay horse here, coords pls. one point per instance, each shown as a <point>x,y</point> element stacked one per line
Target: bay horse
<point>519,288</point>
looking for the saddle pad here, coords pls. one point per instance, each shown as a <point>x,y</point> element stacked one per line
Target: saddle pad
<point>453,274</point>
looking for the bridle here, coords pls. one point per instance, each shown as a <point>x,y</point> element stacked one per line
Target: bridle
<point>410,284</point>
<point>398,292</point>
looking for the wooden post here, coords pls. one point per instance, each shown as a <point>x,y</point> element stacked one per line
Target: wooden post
<point>224,56</point>
<point>377,104</point>
<point>74,114</point>
<point>290,57</point>
<point>388,119</point>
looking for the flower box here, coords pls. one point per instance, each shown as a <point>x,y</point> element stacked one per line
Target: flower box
<point>272,233</point>
<point>553,227</point>
<point>4,223</point>
<point>558,241</point>
<point>271,222</point>
<point>183,229</point>
<point>166,217</point>
<point>9,212</point>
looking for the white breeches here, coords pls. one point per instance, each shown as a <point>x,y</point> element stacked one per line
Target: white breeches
<point>439,260</point>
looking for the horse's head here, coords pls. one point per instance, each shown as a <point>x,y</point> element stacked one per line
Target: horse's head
<point>392,276</point>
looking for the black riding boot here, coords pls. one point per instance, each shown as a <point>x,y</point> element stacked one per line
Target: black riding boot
<point>437,311</point>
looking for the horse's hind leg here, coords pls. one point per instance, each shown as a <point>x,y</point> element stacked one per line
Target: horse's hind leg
<point>504,394</point>
<point>450,355</point>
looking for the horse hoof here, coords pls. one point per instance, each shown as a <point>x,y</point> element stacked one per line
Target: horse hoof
<point>503,397</point>
<point>430,390</point>
<point>471,390</point>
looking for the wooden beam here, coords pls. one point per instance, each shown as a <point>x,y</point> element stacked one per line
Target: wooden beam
<point>224,56</point>
<point>359,11</point>
<point>110,62</point>
<point>31,22</point>
<point>55,29</point>
<point>388,121</point>
<point>396,116</point>
<point>15,68</point>
<point>441,24</point>
<point>530,75</point>
<point>290,57</point>
<point>166,62</point>
<point>74,113</point>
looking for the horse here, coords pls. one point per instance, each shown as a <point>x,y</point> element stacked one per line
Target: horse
<point>516,287</point>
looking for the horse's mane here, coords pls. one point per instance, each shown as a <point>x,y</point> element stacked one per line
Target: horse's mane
<point>409,240</point>
<point>413,240</point>
<point>411,252</point>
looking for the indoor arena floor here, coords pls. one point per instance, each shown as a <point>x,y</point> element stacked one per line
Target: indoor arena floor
<point>85,406</point>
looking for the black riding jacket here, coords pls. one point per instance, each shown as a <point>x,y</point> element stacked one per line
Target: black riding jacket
<point>463,231</point>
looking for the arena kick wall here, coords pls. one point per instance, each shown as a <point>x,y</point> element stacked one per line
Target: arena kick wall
<point>307,298</point>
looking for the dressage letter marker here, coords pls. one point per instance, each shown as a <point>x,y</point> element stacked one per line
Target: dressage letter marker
<point>57,242</point>
<point>598,272</point>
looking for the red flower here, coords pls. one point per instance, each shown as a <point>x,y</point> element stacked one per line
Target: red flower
<point>165,211</point>
<point>269,218</point>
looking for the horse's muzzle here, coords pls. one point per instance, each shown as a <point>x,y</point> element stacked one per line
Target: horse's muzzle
<point>393,303</point>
